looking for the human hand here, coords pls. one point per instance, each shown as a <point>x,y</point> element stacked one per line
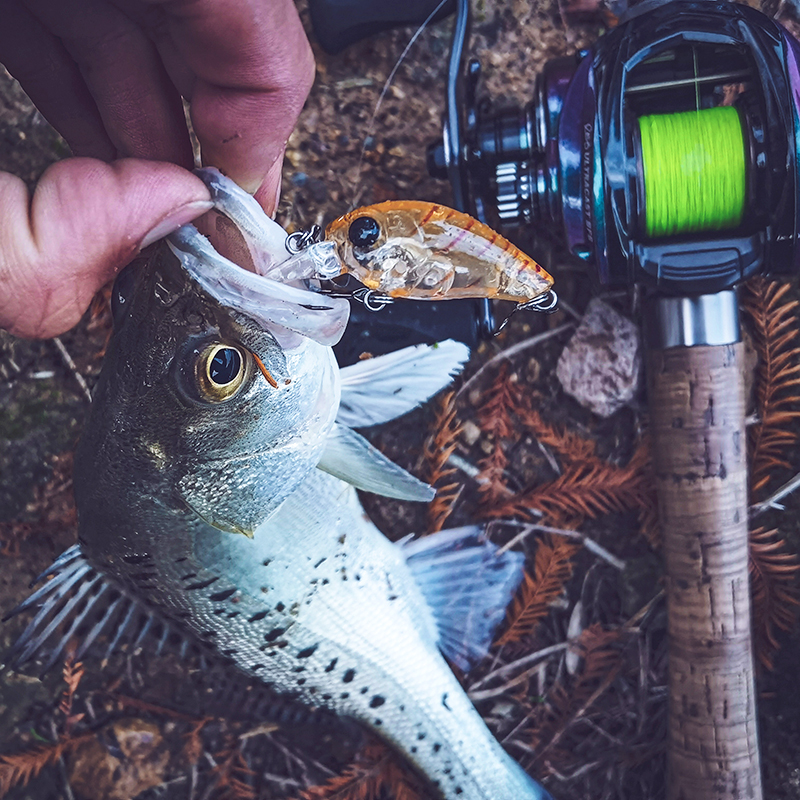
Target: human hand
<point>109,76</point>
<point>86,220</point>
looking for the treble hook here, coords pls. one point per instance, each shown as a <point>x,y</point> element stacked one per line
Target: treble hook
<point>299,240</point>
<point>371,300</point>
<point>545,303</point>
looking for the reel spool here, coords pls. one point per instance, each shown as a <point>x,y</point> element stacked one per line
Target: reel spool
<point>693,171</point>
<point>666,154</point>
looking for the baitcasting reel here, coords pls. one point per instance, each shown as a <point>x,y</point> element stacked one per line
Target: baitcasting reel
<point>666,154</point>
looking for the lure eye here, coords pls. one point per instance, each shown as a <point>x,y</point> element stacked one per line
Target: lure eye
<point>364,232</point>
<point>220,372</point>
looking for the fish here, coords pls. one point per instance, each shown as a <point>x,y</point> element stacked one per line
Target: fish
<point>426,251</point>
<point>189,445</point>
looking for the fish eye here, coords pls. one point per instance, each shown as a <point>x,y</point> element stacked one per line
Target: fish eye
<point>364,232</point>
<point>220,372</point>
<point>224,366</point>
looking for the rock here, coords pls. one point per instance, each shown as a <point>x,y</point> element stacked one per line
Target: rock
<point>470,432</point>
<point>601,365</point>
<point>128,757</point>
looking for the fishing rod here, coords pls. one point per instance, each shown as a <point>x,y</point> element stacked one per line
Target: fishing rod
<point>666,156</point>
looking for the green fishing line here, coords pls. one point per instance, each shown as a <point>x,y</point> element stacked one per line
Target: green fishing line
<point>694,171</point>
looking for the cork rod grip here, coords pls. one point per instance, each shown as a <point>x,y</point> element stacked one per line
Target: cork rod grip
<point>697,408</point>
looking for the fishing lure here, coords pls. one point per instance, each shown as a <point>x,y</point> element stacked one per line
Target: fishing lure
<point>426,251</point>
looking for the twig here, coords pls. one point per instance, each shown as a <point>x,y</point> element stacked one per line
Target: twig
<point>590,544</point>
<point>772,501</point>
<point>550,458</point>
<point>525,661</point>
<point>644,610</point>
<point>564,306</point>
<point>473,472</point>
<point>295,784</point>
<point>570,776</point>
<point>607,681</point>
<point>67,359</point>
<point>513,350</point>
<point>605,734</point>
<point>62,767</point>
<point>459,462</point>
<point>533,658</point>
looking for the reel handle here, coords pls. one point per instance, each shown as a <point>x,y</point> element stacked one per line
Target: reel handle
<point>697,407</point>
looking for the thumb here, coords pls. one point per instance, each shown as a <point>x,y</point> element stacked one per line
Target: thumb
<point>86,220</point>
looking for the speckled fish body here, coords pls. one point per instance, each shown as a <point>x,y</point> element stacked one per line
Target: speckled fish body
<point>321,606</point>
<point>405,248</point>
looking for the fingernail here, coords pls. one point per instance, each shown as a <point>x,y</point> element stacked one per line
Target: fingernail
<point>174,220</point>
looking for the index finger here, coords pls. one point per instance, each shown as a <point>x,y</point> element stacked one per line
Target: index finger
<point>252,68</point>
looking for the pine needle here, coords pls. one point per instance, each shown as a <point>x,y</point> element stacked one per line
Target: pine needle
<point>439,446</point>
<point>494,413</point>
<point>602,662</point>
<point>777,385</point>
<point>374,770</point>
<point>72,674</point>
<point>774,592</point>
<point>570,446</point>
<point>552,568</point>
<point>504,395</point>
<point>584,490</point>
<point>491,479</point>
<point>773,569</point>
<point>231,772</point>
<point>193,748</point>
<point>18,769</point>
<point>649,521</point>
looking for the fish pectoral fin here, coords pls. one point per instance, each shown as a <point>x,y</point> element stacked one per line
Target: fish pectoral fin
<point>467,585</point>
<point>351,458</point>
<point>386,387</point>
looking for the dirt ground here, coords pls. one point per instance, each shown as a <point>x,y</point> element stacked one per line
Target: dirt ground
<point>341,153</point>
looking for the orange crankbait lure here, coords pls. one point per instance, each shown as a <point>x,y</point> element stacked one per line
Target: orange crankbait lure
<point>425,251</point>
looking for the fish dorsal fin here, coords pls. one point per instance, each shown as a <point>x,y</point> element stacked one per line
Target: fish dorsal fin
<point>467,586</point>
<point>351,458</point>
<point>78,604</point>
<point>385,387</point>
